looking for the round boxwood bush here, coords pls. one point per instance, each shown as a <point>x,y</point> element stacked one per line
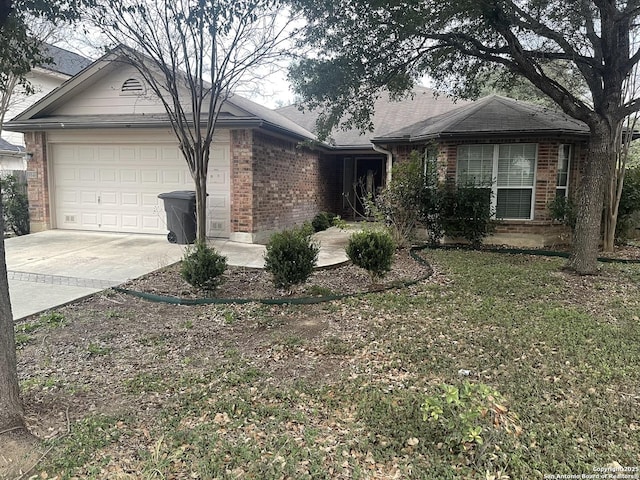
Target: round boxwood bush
<point>322,221</point>
<point>291,256</point>
<point>203,266</point>
<point>373,251</point>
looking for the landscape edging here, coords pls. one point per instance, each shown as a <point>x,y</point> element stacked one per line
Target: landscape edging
<point>276,301</point>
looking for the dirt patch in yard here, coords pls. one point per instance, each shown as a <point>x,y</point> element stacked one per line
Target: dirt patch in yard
<point>92,360</point>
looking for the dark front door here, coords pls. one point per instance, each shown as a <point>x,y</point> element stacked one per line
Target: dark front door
<point>364,178</point>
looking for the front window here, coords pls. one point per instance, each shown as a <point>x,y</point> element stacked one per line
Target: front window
<point>509,169</point>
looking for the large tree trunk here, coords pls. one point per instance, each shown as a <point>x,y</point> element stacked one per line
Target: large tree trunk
<point>591,195</point>
<point>11,412</point>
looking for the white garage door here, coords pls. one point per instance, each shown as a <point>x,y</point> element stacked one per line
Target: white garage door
<point>114,188</point>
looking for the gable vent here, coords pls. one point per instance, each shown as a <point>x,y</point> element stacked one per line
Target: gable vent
<point>132,86</point>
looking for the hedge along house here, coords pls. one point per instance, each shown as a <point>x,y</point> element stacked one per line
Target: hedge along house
<point>527,153</point>
<point>101,149</point>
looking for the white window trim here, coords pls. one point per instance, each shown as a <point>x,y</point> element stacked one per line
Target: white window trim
<point>569,159</point>
<point>494,178</point>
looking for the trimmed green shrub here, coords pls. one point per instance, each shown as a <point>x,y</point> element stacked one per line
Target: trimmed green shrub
<point>372,250</point>
<point>203,266</point>
<point>322,221</point>
<point>291,256</point>
<point>465,212</point>
<point>563,210</point>
<point>15,205</point>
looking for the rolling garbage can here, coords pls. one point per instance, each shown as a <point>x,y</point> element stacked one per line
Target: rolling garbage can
<point>181,216</point>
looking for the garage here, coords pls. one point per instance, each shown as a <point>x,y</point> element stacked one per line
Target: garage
<point>114,187</point>
<point>100,153</point>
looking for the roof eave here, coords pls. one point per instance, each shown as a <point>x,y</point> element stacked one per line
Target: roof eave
<point>273,127</point>
<point>492,134</point>
<point>43,125</point>
<point>252,122</point>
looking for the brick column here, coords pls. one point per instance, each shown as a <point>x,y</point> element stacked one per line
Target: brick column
<point>242,186</point>
<point>38,181</point>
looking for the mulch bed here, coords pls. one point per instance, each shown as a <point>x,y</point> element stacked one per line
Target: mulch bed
<point>250,283</point>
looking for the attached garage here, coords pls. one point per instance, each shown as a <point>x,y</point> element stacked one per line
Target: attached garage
<point>113,186</point>
<point>100,153</point>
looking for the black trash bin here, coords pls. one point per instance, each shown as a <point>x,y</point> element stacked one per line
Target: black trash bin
<point>181,216</point>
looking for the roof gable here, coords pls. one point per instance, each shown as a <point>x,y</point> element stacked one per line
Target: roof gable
<point>492,115</point>
<point>95,97</point>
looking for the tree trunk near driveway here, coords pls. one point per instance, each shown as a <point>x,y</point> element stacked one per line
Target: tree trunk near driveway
<point>11,411</point>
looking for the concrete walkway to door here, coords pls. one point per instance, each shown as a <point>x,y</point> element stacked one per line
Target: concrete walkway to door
<point>51,268</point>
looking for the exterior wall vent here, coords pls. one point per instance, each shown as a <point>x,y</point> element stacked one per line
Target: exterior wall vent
<point>132,86</point>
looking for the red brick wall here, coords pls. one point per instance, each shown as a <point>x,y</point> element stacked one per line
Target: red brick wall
<point>533,227</point>
<point>545,182</point>
<point>38,181</point>
<point>291,184</point>
<point>241,181</point>
<point>276,184</point>
<point>446,171</point>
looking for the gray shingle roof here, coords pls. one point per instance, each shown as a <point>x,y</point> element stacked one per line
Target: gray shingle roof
<point>388,116</point>
<point>490,115</point>
<point>271,117</point>
<point>64,61</point>
<point>9,147</point>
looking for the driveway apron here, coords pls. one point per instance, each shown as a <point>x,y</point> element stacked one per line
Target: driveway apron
<point>51,268</point>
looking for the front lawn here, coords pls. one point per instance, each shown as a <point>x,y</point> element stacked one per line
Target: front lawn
<point>127,389</point>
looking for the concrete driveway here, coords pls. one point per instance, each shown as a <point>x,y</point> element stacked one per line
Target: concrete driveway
<point>52,268</point>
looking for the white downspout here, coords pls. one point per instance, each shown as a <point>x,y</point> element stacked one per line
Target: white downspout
<point>389,161</point>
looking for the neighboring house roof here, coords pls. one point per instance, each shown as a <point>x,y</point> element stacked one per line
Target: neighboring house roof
<point>492,115</point>
<point>10,147</point>
<point>63,61</point>
<point>388,116</point>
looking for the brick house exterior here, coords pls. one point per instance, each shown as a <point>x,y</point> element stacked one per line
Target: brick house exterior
<point>501,122</point>
<point>98,157</point>
<point>38,181</point>
<point>541,230</point>
<point>276,184</point>
<point>267,194</point>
